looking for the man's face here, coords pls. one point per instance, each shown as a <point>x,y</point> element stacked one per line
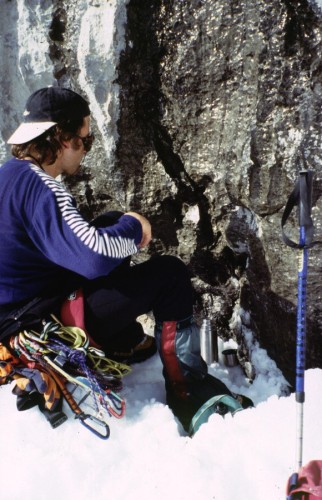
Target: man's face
<point>73,151</point>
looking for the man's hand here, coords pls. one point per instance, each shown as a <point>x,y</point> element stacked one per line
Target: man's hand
<point>146,228</point>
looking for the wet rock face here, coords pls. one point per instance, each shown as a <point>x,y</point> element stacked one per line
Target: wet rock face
<point>201,110</point>
<point>218,99</point>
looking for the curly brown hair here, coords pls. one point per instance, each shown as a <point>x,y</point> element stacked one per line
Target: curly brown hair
<point>46,146</point>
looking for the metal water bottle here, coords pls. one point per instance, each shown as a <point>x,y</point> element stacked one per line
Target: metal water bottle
<point>206,342</point>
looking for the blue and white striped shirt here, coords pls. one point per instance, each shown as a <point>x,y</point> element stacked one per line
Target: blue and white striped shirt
<point>43,234</point>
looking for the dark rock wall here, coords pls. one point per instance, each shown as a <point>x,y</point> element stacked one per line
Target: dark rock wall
<point>217,101</point>
<point>201,110</point>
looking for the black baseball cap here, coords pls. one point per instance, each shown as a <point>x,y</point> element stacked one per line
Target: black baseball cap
<point>47,107</point>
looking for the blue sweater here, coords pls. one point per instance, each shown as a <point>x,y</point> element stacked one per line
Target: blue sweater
<point>43,235</point>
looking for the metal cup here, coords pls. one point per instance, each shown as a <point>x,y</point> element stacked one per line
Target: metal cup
<point>230,357</point>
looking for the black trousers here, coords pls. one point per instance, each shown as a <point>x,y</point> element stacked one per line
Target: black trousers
<point>112,303</point>
<point>160,285</point>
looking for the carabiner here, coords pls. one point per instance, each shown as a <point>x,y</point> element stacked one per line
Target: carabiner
<point>83,417</point>
<point>118,408</point>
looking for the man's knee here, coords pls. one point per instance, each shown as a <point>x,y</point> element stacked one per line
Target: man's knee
<point>172,264</point>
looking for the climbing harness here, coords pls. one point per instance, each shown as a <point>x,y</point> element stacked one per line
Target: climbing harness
<point>56,361</point>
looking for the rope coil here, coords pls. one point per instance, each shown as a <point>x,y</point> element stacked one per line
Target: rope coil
<point>65,354</point>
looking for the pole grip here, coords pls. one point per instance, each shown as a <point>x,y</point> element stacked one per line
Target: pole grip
<point>305,201</point>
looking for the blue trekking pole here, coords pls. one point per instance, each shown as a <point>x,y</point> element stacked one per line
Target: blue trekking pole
<point>300,339</point>
<point>302,196</point>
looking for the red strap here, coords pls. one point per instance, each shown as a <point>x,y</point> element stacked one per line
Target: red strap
<point>72,313</point>
<point>170,359</point>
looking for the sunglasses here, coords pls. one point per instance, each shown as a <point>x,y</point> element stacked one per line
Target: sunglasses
<point>87,141</point>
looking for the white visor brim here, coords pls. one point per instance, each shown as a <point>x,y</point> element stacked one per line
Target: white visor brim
<point>28,131</point>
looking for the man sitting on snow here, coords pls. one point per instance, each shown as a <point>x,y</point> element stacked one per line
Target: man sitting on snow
<point>48,250</point>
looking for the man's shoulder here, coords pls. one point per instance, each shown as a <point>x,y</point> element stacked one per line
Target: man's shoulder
<point>23,171</point>
<point>14,168</point>
<point>12,173</point>
<point>22,176</point>
<point>12,163</point>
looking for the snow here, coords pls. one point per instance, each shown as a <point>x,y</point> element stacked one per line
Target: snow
<point>319,3</point>
<point>148,455</point>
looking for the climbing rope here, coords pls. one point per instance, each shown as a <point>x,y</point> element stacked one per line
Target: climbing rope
<point>64,353</point>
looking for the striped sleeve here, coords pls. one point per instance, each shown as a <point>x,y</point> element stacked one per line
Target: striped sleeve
<point>74,239</point>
